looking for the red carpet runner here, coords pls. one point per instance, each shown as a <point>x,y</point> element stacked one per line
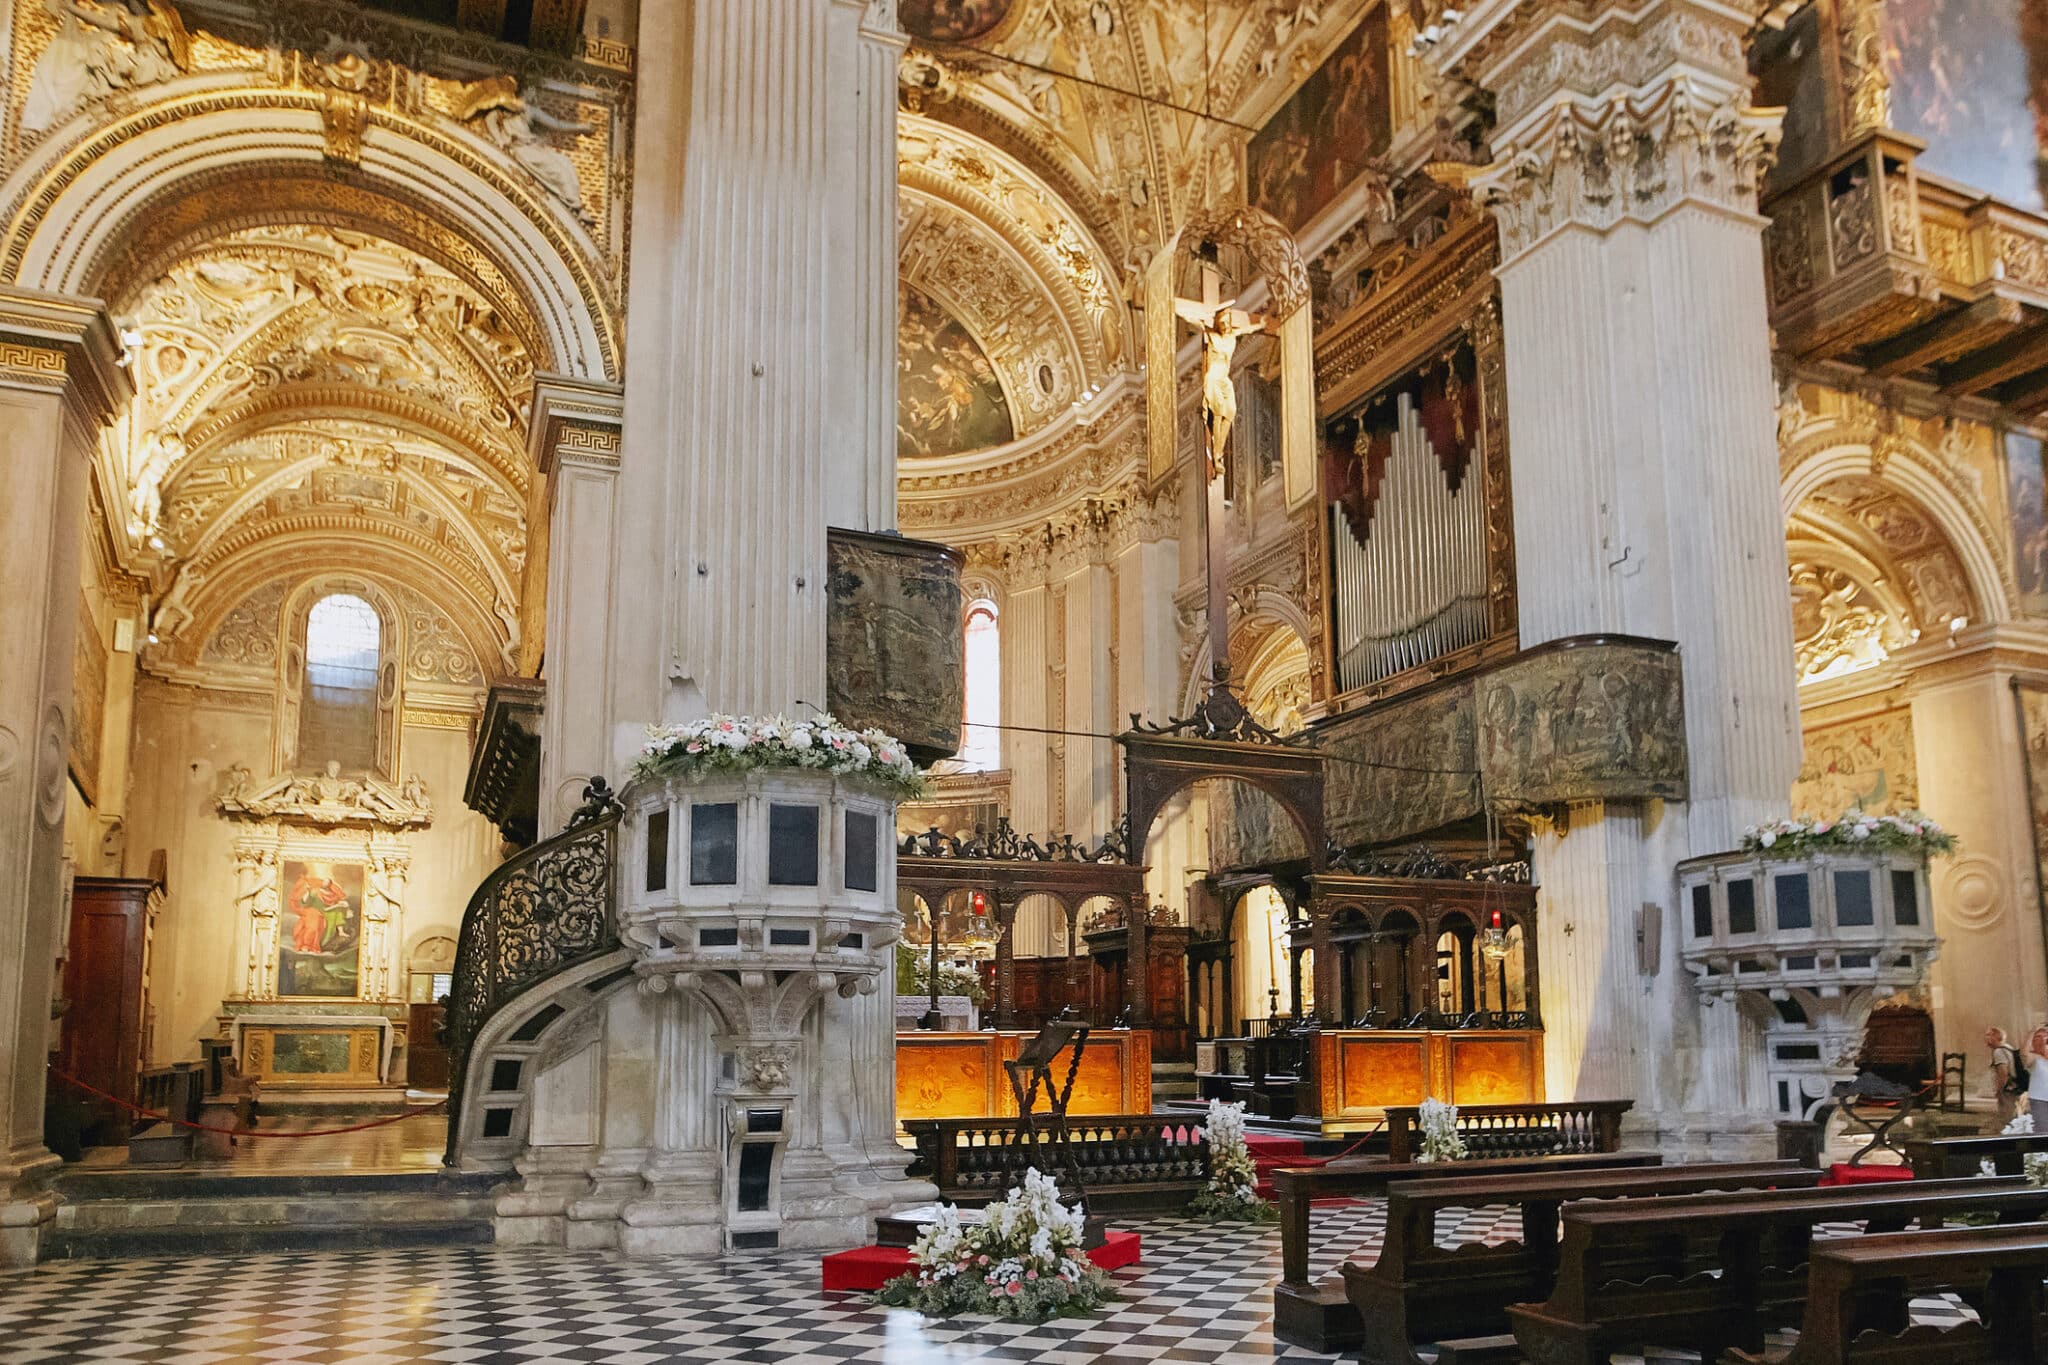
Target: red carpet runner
<point>1269,1153</point>
<point>873,1267</point>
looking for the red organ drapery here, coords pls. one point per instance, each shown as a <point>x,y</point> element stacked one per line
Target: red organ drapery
<point>1444,395</point>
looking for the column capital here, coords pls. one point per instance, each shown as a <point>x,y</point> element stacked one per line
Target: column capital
<point>575,420</point>
<point>1612,110</point>
<point>64,344</point>
<point>1630,156</point>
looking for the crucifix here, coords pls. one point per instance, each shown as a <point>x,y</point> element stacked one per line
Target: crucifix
<point>1220,324</point>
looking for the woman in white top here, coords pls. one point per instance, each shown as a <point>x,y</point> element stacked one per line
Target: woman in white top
<point>2037,1078</point>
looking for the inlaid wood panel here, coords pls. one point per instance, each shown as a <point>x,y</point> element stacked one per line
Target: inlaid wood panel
<point>1499,1070</point>
<point>1376,1072</point>
<point>960,1075</point>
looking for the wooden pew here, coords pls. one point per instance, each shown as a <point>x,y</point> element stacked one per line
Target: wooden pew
<point>1954,1158</point>
<point>1859,1291</point>
<point>1420,1292</point>
<point>1603,1301</point>
<point>1306,1314</point>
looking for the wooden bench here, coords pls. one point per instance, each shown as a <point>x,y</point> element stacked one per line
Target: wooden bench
<point>1860,1290</point>
<point>1419,1291</point>
<point>1953,1158</point>
<point>1709,1272</point>
<point>1315,1315</point>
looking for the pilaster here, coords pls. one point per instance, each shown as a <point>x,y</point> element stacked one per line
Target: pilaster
<point>60,384</point>
<point>575,442</point>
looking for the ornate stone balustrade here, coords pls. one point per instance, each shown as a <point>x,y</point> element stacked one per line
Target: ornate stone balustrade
<point>1873,263</point>
<point>1808,945</point>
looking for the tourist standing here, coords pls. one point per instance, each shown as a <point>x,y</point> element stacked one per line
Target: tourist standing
<point>2037,1077</point>
<point>2008,1077</point>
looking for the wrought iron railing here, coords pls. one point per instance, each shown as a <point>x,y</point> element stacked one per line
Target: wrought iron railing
<point>546,909</point>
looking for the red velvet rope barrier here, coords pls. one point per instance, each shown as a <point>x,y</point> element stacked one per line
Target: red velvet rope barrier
<point>243,1132</point>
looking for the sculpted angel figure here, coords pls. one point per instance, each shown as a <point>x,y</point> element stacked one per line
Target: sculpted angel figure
<point>101,48</point>
<point>516,123</point>
<point>146,497</point>
<point>1220,325</point>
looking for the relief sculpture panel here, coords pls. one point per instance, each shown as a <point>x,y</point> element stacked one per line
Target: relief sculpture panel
<point>1586,723</point>
<point>894,655</point>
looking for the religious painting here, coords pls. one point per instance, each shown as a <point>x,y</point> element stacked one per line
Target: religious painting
<point>2033,701</point>
<point>948,398</point>
<point>1971,78</point>
<point>1314,147</point>
<point>2029,511</point>
<point>320,934</point>
<point>1865,764</point>
<point>951,21</point>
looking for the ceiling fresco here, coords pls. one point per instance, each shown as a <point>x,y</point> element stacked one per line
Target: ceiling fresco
<point>948,398</point>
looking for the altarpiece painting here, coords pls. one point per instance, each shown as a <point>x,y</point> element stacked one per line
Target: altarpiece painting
<point>318,952</point>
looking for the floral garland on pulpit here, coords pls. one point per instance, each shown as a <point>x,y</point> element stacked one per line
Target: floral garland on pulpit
<point>730,744</point>
<point>1232,1194</point>
<point>1024,1261</point>
<point>1851,832</point>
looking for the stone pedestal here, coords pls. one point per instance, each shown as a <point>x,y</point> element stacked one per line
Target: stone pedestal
<point>1646,487</point>
<point>59,383</point>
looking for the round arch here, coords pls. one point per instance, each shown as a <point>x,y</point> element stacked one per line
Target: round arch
<point>89,213</point>
<point>1836,449</point>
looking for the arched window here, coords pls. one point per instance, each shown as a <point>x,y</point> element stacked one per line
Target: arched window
<point>338,718</point>
<point>981,743</point>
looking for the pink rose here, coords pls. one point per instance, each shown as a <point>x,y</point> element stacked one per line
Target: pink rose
<point>1014,1289</point>
<point>1030,1274</point>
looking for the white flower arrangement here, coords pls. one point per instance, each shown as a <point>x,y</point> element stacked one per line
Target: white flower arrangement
<point>2034,1165</point>
<point>1853,831</point>
<point>721,743</point>
<point>1023,1261</point>
<point>2020,1125</point>
<point>1232,1193</point>
<point>1439,1124</point>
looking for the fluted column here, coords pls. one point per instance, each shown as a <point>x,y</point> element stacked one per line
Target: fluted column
<point>58,385</point>
<point>761,360</point>
<point>1646,489</point>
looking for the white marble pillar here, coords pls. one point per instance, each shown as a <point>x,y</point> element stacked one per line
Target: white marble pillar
<point>1646,488</point>
<point>760,367</point>
<point>575,446</point>
<point>59,384</point>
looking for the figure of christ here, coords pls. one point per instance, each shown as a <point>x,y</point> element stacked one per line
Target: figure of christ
<point>1220,325</point>
<point>318,904</point>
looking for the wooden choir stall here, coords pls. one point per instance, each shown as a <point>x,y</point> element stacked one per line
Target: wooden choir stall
<point>1104,975</point>
<point>1422,987</point>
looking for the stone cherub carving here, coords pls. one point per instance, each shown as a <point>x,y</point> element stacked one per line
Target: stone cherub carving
<point>146,496</point>
<point>100,48</point>
<point>513,120</point>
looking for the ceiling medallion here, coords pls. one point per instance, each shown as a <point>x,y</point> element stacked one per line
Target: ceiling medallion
<point>951,21</point>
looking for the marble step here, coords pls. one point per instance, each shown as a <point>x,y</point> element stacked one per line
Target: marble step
<point>1173,1081</point>
<point>207,1220</point>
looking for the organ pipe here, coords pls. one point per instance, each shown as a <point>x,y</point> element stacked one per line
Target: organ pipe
<point>1415,588</point>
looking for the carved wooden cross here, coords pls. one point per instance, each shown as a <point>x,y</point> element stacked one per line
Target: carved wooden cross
<point>1220,325</point>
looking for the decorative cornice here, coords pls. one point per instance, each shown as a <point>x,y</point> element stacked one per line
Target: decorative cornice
<point>327,798</point>
<point>577,420</point>
<point>53,341</point>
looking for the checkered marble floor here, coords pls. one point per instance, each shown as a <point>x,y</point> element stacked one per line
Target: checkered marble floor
<point>1202,1294</point>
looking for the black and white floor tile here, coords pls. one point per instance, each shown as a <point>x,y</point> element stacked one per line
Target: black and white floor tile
<point>1202,1294</point>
